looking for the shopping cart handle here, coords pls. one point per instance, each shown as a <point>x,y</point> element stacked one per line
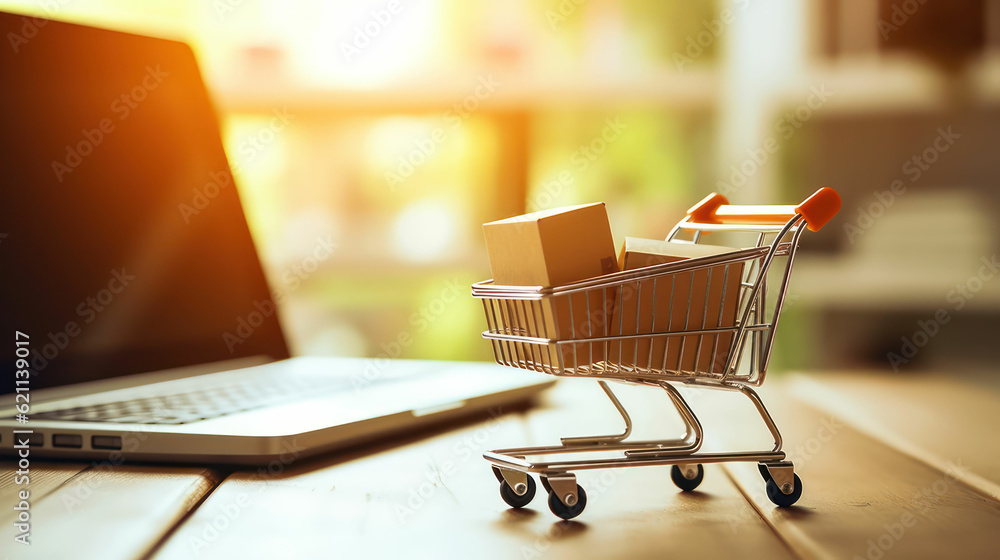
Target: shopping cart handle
<point>817,210</point>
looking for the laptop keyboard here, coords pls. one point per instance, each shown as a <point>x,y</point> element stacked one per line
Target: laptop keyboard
<point>203,404</point>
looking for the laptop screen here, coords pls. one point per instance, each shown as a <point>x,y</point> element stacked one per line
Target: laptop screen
<point>123,244</point>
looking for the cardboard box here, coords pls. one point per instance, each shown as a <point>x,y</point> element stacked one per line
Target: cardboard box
<point>552,248</point>
<point>701,292</point>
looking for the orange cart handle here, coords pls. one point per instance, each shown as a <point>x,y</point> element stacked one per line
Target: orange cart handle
<point>817,210</point>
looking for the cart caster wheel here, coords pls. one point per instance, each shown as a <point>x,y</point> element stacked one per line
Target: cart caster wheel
<point>568,512</point>
<point>686,484</point>
<point>780,499</point>
<point>512,499</point>
<point>764,473</point>
<point>546,485</point>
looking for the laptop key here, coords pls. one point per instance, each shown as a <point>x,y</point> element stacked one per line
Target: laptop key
<point>200,404</point>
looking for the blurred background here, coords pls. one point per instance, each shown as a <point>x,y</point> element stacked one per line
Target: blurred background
<point>395,128</point>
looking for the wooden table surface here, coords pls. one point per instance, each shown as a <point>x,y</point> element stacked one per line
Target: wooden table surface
<point>892,467</point>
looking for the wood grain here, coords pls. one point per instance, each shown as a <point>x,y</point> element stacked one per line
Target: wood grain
<point>868,494</point>
<point>109,511</point>
<point>438,498</point>
<point>863,499</point>
<point>43,479</point>
<point>935,418</point>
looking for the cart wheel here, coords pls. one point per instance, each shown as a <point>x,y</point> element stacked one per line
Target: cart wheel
<point>784,500</point>
<point>764,473</point>
<point>512,499</point>
<point>568,512</point>
<point>496,473</point>
<point>686,484</point>
<point>546,485</point>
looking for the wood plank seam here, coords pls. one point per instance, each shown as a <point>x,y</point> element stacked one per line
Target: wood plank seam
<point>898,443</point>
<point>793,550</point>
<point>62,484</point>
<point>918,500</point>
<point>215,480</point>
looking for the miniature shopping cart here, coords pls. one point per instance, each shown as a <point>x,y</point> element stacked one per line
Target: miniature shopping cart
<point>521,326</point>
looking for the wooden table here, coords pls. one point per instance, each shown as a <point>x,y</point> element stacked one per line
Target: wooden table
<point>892,467</point>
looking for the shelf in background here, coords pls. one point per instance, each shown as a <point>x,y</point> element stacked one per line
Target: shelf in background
<point>511,92</point>
<point>888,84</point>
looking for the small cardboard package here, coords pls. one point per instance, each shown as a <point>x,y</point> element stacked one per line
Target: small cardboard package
<point>706,298</point>
<point>552,248</point>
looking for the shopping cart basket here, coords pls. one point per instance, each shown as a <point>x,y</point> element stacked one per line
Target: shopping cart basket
<point>519,317</point>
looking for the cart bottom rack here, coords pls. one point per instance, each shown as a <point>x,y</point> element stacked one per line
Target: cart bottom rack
<point>567,499</point>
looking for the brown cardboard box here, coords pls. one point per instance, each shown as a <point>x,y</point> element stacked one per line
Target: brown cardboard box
<point>699,291</point>
<point>552,248</point>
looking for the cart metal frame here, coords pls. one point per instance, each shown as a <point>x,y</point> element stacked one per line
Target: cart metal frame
<point>517,320</point>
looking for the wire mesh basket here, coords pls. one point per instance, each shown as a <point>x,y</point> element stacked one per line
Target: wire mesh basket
<point>704,322</point>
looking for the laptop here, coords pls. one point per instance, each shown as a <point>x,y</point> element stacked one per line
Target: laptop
<point>138,319</point>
